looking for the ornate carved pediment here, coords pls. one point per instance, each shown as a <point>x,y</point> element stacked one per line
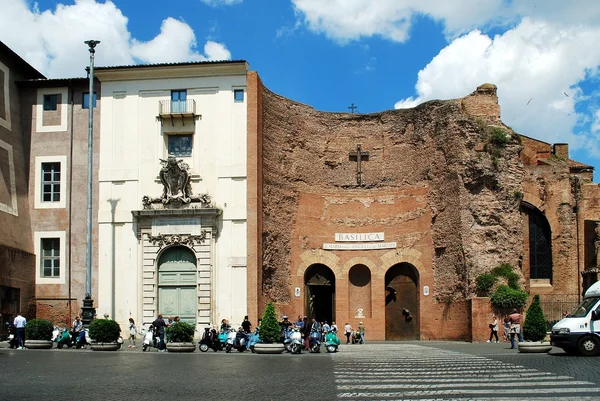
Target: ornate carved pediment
<point>163,240</point>
<point>177,189</point>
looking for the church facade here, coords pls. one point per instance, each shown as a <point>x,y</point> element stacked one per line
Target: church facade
<point>389,218</point>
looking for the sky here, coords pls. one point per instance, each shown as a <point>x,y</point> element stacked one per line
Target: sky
<point>376,54</point>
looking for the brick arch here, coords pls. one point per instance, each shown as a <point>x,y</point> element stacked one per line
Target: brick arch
<point>534,200</point>
<point>359,260</point>
<point>402,255</point>
<point>319,256</point>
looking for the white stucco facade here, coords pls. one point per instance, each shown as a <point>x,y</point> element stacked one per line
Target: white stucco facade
<point>133,139</point>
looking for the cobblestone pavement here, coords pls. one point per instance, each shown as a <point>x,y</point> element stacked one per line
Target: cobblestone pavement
<point>393,370</point>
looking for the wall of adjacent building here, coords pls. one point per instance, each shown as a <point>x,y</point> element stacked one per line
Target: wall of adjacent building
<point>62,136</point>
<point>16,247</point>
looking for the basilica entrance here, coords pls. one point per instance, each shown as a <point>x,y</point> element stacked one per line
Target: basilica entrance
<point>401,303</point>
<point>177,284</point>
<point>319,283</point>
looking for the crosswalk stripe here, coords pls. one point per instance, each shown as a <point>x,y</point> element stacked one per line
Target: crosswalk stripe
<point>415,372</point>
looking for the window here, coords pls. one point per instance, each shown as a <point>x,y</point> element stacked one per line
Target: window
<point>180,145</point>
<point>50,102</point>
<point>540,246</point>
<point>85,104</point>
<point>178,99</point>
<point>50,257</point>
<point>238,95</point>
<point>51,182</point>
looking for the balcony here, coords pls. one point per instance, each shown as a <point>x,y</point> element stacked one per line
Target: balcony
<point>177,109</point>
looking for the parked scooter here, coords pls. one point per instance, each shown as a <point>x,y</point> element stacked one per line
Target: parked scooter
<point>331,342</point>
<point>296,344</point>
<point>253,338</point>
<point>209,340</point>
<point>151,340</point>
<point>64,338</point>
<point>285,338</point>
<point>237,340</point>
<point>222,337</point>
<point>314,342</point>
<point>13,341</point>
<point>83,339</point>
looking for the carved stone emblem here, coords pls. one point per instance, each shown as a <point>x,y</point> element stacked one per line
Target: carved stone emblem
<point>177,189</point>
<point>163,240</point>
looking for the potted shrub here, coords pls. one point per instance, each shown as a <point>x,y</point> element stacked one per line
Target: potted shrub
<point>269,333</point>
<point>38,334</point>
<point>104,334</point>
<point>180,337</point>
<point>534,329</point>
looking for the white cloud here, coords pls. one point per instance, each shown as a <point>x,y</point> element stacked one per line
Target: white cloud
<point>217,3</point>
<point>537,67</point>
<point>162,49</point>
<point>52,40</point>
<point>347,20</point>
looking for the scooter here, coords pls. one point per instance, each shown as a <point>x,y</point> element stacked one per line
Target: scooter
<point>287,341</point>
<point>83,339</point>
<point>222,337</point>
<point>296,344</point>
<point>209,341</point>
<point>253,338</point>
<point>237,340</point>
<point>64,338</point>
<point>314,342</point>
<point>150,339</point>
<point>331,342</point>
<point>13,341</point>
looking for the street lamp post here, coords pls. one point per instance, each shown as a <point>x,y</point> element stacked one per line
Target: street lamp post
<point>88,312</point>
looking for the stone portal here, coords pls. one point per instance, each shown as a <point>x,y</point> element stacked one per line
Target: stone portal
<point>401,303</point>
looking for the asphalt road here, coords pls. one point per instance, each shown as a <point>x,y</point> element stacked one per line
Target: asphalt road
<point>399,371</point>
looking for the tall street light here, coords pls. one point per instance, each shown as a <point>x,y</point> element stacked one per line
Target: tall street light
<point>88,312</point>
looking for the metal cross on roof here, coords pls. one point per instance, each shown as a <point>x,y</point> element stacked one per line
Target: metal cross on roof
<point>352,107</point>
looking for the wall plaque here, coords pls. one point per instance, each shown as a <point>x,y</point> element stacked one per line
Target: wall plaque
<point>359,237</point>
<point>360,246</point>
<point>176,226</point>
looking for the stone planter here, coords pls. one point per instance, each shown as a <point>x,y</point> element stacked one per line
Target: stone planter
<point>181,347</point>
<point>269,348</point>
<point>104,346</point>
<point>534,347</point>
<point>38,344</point>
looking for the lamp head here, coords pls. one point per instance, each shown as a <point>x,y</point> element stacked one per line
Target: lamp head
<point>92,44</point>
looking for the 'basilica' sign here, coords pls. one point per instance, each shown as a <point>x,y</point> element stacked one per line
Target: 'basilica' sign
<point>359,237</point>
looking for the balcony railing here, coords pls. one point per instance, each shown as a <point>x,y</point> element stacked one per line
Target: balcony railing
<point>177,107</point>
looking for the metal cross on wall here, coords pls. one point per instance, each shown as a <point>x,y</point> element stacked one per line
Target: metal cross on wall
<point>358,156</point>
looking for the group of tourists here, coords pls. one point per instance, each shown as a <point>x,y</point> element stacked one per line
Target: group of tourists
<point>511,328</point>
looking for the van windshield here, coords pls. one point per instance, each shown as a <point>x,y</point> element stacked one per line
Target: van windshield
<point>584,307</point>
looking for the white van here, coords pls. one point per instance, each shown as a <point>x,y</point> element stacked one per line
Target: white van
<point>580,331</point>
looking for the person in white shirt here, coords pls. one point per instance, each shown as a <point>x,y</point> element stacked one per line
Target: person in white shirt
<point>347,332</point>
<point>20,323</point>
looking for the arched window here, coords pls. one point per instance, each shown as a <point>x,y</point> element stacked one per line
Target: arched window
<point>540,246</point>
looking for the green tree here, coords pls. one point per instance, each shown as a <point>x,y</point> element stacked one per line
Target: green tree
<point>535,322</point>
<point>269,327</point>
<point>508,298</point>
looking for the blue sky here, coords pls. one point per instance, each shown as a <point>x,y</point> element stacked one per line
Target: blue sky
<point>377,54</point>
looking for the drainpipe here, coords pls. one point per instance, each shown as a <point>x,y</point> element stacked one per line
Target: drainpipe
<point>69,230</point>
<point>577,194</point>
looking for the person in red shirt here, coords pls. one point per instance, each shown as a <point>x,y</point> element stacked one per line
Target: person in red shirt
<point>515,319</point>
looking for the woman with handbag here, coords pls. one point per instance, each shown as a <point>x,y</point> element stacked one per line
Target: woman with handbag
<point>493,329</point>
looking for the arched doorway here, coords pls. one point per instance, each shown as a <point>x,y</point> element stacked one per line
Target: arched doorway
<point>402,302</point>
<point>177,284</point>
<point>319,283</point>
